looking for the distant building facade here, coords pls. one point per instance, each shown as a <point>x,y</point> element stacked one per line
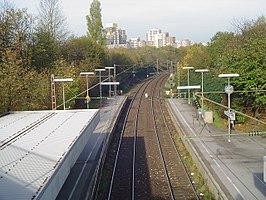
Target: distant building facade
<point>155,37</point>
<point>185,43</point>
<point>152,36</point>
<point>171,41</point>
<point>136,43</point>
<point>116,38</point>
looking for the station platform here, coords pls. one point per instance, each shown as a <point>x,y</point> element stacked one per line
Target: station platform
<point>81,180</point>
<point>38,149</point>
<point>234,170</point>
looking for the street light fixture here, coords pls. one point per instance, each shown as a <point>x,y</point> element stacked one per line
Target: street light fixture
<point>100,80</point>
<point>109,79</point>
<point>229,90</point>
<point>87,86</point>
<point>202,90</point>
<point>188,68</point>
<point>63,80</point>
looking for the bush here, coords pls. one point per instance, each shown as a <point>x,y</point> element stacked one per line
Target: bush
<point>240,119</point>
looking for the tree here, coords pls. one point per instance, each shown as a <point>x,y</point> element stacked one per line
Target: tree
<point>94,23</point>
<point>195,55</point>
<point>75,49</point>
<point>10,80</point>
<point>243,53</point>
<point>15,57</point>
<point>249,62</point>
<point>50,35</point>
<point>217,48</point>
<point>52,20</point>
<point>45,50</point>
<point>16,31</point>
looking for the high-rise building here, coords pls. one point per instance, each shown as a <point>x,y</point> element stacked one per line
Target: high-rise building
<point>155,37</point>
<point>115,35</point>
<point>152,36</point>
<point>116,38</point>
<point>171,41</point>
<point>136,43</point>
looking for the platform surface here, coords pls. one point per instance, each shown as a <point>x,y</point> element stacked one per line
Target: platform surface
<point>237,166</point>
<point>81,175</point>
<point>32,145</point>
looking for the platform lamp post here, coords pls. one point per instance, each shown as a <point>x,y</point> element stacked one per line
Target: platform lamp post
<point>115,88</point>
<point>87,86</point>
<point>202,90</point>
<point>100,80</point>
<point>188,68</point>
<point>109,79</point>
<point>229,89</point>
<point>63,80</point>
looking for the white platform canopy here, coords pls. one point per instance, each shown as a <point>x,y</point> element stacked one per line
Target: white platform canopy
<point>109,83</point>
<point>38,149</point>
<point>188,87</point>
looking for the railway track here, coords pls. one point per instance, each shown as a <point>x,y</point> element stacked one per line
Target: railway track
<point>180,183</point>
<point>147,164</point>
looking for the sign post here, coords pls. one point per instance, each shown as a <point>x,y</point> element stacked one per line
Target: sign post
<point>229,89</point>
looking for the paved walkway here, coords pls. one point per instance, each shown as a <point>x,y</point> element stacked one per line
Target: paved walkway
<point>82,172</point>
<point>235,168</point>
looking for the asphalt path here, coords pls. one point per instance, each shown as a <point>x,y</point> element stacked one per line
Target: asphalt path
<point>236,166</point>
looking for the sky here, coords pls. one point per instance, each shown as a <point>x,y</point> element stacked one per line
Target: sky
<point>196,20</point>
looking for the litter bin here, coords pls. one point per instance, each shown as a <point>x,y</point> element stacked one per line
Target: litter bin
<point>208,116</point>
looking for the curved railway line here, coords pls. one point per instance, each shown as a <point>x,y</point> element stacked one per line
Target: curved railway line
<point>147,164</point>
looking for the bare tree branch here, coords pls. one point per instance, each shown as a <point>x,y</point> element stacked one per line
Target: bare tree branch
<point>52,19</point>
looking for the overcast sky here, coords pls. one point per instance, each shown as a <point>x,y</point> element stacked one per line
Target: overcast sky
<point>197,20</point>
